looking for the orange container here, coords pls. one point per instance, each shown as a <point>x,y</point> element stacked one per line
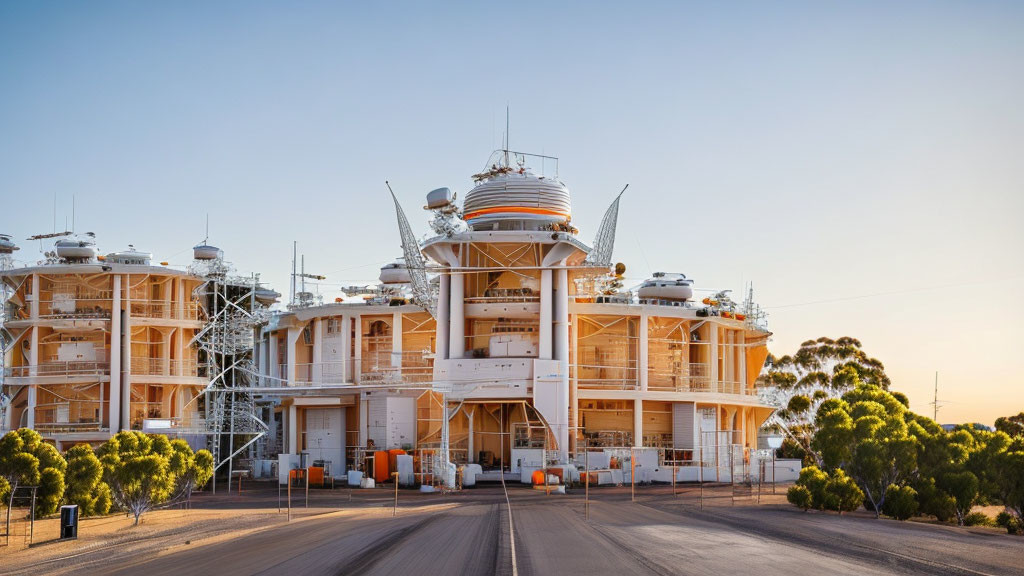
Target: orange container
<point>556,472</point>
<point>381,471</point>
<point>537,477</point>
<point>393,459</point>
<point>316,476</point>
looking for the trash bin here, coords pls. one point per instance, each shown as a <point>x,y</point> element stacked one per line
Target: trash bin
<point>69,522</point>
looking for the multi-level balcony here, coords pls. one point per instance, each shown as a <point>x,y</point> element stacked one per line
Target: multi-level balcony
<point>143,366</point>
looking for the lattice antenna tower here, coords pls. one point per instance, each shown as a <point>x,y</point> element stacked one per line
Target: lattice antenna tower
<point>604,243</point>
<point>422,294</point>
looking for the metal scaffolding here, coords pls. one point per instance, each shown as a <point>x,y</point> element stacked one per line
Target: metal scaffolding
<point>233,312</point>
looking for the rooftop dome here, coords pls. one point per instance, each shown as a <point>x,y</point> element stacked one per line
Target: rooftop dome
<point>505,195</point>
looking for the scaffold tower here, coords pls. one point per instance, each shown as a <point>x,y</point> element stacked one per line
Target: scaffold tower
<point>234,308</point>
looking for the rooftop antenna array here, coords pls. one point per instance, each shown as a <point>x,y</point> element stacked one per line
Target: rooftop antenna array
<point>301,298</point>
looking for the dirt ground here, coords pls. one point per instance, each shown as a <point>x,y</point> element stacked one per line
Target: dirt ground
<point>353,531</point>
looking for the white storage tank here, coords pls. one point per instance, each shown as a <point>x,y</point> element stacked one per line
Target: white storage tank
<point>76,248</point>
<point>7,245</point>
<point>130,256</point>
<point>395,273</point>
<point>206,252</point>
<point>667,286</point>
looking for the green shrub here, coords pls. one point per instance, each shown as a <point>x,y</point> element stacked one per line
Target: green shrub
<point>1012,524</point>
<point>936,502</point>
<point>815,480</point>
<point>50,492</point>
<point>84,482</point>
<point>799,496</point>
<point>842,494</point>
<point>900,502</point>
<point>977,519</point>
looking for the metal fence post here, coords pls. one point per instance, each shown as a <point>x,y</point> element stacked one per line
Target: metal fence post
<point>586,481</point>
<point>394,511</point>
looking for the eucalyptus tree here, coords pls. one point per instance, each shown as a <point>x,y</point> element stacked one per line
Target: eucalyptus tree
<point>798,384</point>
<point>865,433</point>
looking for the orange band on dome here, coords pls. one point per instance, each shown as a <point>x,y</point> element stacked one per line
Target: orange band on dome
<point>520,209</point>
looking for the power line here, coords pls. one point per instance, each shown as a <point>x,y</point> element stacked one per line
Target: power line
<point>892,293</point>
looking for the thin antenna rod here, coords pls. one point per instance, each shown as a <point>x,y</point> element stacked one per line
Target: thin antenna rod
<point>295,248</point>
<point>207,239</point>
<point>935,414</point>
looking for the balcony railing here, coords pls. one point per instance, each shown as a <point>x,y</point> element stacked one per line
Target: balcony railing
<point>143,366</point>
<point>76,368</point>
<point>71,416</point>
<point>375,367</point>
<point>159,309</point>
<point>607,377</point>
<point>98,308</point>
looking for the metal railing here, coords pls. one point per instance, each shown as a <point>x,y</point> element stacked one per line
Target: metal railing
<point>75,368</point>
<point>607,377</point>
<point>70,416</point>
<point>143,366</point>
<point>98,308</point>
<point>166,310</point>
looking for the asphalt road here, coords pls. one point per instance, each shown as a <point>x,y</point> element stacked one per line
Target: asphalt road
<point>468,533</point>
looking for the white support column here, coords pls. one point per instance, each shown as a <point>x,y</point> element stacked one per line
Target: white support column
<point>272,447</point>
<point>126,356</point>
<point>33,307</point>
<point>457,327</point>
<point>469,417</point>
<point>713,354</point>
<point>357,360</point>
<point>641,361</point>
<point>293,429</point>
<point>165,354</point>
<point>33,362</point>
<point>272,359</point>
<point>561,353</point>
<point>346,348</point>
<point>263,346</point>
<point>179,304</point>
<point>638,423</point>
<point>363,415</point>
<point>742,351</point>
<point>293,337</point>
<point>396,341</point>
<point>114,406</point>
<point>443,312</point>
<point>317,370</point>
<point>544,351</point>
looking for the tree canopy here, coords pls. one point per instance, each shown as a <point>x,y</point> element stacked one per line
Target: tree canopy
<point>798,384</point>
<point>144,471</point>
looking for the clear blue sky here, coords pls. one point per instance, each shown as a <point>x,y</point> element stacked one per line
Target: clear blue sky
<point>822,150</point>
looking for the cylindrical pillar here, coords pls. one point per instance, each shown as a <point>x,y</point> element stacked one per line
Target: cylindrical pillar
<point>561,353</point>
<point>457,327</point>
<point>443,311</point>
<point>545,336</point>
<point>114,409</point>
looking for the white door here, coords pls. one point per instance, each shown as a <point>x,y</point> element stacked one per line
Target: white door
<point>325,437</point>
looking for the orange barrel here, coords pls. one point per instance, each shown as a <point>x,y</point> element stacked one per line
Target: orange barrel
<point>538,477</point>
<point>393,459</point>
<point>381,471</point>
